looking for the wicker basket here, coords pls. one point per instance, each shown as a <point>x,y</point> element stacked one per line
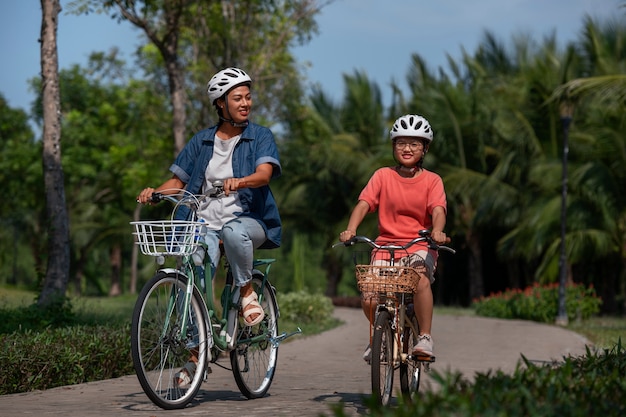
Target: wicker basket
<point>388,279</point>
<point>167,237</point>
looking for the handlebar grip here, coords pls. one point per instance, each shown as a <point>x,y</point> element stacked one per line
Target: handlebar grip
<point>156,198</point>
<point>347,243</point>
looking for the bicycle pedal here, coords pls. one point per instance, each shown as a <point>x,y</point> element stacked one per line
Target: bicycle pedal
<point>424,358</point>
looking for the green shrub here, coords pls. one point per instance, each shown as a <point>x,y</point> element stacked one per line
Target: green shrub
<point>43,348</point>
<point>590,385</point>
<point>303,308</point>
<point>55,357</point>
<point>539,303</point>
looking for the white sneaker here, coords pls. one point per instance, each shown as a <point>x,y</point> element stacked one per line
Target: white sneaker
<point>367,355</point>
<point>424,345</point>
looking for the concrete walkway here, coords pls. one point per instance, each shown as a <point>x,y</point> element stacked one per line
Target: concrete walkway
<point>314,372</point>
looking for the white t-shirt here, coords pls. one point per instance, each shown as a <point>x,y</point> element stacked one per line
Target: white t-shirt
<point>218,211</point>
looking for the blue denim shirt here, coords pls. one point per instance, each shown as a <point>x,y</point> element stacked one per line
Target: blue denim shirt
<point>256,146</point>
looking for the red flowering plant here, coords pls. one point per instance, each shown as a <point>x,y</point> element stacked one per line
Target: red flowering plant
<point>539,303</point>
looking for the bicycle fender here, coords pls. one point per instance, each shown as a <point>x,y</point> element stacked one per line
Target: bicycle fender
<point>173,271</point>
<point>258,274</point>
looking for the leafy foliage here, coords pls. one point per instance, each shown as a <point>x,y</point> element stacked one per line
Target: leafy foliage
<point>539,303</point>
<point>63,356</point>
<point>305,308</point>
<point>590,385</point>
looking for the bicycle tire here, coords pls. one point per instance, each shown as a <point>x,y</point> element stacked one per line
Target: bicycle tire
<point>410,369</point>
<point>382,360</point>
<point>158,349</point>
<point>254,363</point>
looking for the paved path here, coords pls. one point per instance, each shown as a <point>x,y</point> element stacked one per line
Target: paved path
<point>313,372</point>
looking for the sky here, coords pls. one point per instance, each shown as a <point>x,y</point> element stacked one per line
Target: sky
<point>377,37</point>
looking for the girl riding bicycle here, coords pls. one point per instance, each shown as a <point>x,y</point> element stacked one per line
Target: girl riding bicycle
<point>408,199</point>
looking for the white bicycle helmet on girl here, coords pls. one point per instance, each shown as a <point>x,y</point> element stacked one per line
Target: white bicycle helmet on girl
<point>412,125</point>
<point>225,80</point>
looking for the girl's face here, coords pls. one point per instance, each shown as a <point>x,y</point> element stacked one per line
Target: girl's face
<point>408,151</point>
<point>239,104</point>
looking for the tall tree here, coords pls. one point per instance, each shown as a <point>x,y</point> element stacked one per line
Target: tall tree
<point>196,38</point>
<point>57,273</point>
<point>333,152</point>
<point>20,173</point>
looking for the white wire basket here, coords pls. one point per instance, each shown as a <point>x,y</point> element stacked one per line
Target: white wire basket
<point>167,237</point>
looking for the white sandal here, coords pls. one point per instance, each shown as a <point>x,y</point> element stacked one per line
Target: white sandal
<point>183,377</point>
<point>250,305</point>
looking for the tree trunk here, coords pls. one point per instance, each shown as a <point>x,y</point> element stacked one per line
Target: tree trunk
<point>134,257</point>
<point>475,267</point>
<point>333,274</point>
<point>57,272</point>
<point>178,100</point>
<point>116,270</point>
<point>168,47</point>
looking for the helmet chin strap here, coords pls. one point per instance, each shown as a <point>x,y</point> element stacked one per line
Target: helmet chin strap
<point>411,170</point>
<point>231,121</point>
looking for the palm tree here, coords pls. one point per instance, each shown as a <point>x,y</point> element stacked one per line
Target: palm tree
<point>333,152</point>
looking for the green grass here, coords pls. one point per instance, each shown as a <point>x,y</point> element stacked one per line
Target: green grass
<point>111,310</point>
<point>13,297</point>
<point>603,332</point>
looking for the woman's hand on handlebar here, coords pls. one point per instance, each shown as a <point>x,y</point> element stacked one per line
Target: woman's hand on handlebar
<point>234,184</point>
<point>145,196</point>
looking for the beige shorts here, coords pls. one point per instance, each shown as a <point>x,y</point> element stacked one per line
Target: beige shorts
<point>414,260</point>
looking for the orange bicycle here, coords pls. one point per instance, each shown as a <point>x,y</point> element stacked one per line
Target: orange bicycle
<point>390,286</point>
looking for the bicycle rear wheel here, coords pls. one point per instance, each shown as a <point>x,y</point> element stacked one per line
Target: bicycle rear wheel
<point>382,361</point>
<point>255,356</point>
<point>159,349</point>
<point>410,369</point>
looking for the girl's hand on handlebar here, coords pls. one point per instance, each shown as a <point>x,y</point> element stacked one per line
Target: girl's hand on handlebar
<point>346,235</point>
<point>145,196</point>
<point>440,238</point>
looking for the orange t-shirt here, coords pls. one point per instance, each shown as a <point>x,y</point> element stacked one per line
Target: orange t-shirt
<point>404,205</point>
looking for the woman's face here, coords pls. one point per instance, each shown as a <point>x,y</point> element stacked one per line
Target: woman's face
<point>408,151</point>
<point>238,105</point>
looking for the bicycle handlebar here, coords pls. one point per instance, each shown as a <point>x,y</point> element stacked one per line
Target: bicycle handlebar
<point>424,237</point>
<point>184,197</point>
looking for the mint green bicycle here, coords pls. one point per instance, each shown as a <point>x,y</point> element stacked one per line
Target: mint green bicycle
<point>177,331</point>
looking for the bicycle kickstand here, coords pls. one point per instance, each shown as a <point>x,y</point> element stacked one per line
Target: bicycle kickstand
<point>276,340</point>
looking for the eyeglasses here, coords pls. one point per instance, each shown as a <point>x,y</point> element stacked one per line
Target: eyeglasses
<point>414,146</point>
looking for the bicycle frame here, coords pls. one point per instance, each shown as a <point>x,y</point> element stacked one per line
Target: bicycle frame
<point>223,327</point>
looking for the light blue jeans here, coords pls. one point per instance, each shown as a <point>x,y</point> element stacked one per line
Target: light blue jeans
<point>240,237</point>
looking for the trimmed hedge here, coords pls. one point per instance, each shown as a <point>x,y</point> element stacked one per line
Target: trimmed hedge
<point>539,303</point>
<point>55,357</point>
<point>43,348</point>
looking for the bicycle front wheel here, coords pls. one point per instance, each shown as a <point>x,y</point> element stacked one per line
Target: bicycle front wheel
<point>382,358</point>
<point>410,369</point>
<point>160,349</point>
<point>255,356</point>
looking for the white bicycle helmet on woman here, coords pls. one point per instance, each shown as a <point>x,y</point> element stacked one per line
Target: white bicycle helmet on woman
<point>412,125</point>
<point>221,83</point>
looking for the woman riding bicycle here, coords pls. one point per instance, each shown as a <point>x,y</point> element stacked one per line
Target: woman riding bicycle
<point>408,199</point>
<point>244,156</point>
